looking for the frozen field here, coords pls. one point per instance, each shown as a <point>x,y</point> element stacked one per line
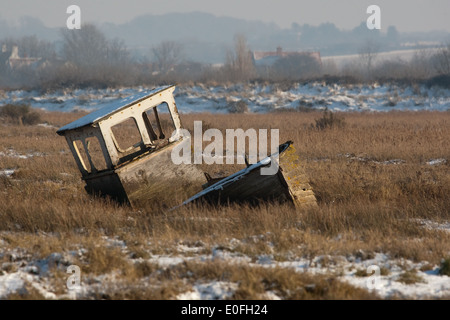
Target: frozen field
<point>403,277</point>
<point>21,270</point>
<point>259,98</point>
<point>428,283</point>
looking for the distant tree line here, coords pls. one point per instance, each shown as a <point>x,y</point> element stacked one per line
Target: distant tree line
<point>87,58</point>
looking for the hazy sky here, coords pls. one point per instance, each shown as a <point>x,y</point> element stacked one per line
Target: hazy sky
<point>406,15</point>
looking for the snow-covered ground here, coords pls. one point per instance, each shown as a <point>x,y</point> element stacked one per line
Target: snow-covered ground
<point>21,271</point>
<point>258,97</point>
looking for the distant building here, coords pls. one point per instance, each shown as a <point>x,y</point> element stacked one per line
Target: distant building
<point>4,55</point>
<point>12,60</point>
<point>268,58</point>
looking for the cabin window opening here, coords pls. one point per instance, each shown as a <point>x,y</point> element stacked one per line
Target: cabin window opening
<point>127,138</point>
<point>91,154</point>
<point>159,123</point>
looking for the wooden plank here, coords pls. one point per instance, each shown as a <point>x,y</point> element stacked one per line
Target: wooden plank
<point>294,176</point>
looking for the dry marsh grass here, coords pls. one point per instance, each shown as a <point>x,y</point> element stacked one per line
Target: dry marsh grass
<point>370,176</point>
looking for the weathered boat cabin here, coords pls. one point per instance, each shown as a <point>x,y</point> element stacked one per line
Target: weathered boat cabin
<point>123,150</point>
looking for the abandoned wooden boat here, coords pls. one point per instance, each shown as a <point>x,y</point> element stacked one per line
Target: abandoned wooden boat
<point>123,151</point>
<point>250,185</point>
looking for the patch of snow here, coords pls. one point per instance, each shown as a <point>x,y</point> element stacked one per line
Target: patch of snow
<point>436,162</point>
<point>7,172</point>
<point>46,125</point>
<point>11,283</point>
<point>167,261</point>
<point>265,259</point>
<point>393,161</point>
<point>270,295</point>
<point>115,242</point>
<point>41,288</point>
<point>186,249</point>
<point>11,153</point>
<point>215,290</point>
<point>432,285</point>
<point>365,158</point>
<point>433,225</point>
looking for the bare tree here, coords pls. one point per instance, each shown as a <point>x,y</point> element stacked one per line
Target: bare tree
<point>167,55</point>
<point>441,60</point>
<point>117,52</point>
<point>95,60</point>
<point>239,62</point>
<point>88,47</point>
<point>297,66</point>
<point>420,64</point>
<point>368,53</point>
<point>85,47</point>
